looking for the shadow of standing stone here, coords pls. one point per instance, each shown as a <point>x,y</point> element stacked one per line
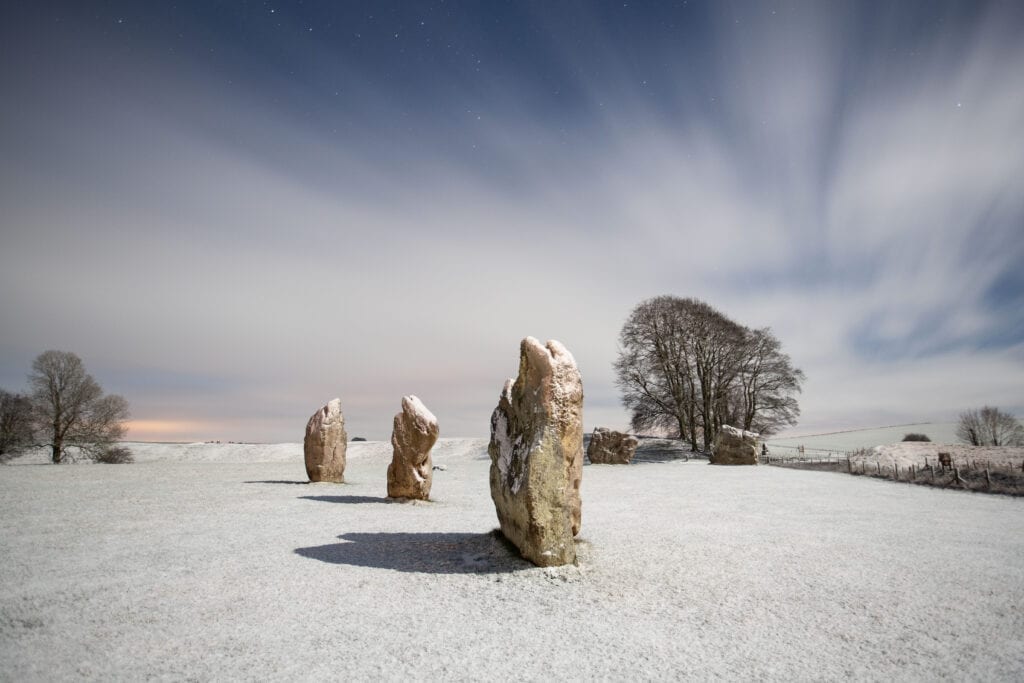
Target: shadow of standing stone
<point>426,553</point>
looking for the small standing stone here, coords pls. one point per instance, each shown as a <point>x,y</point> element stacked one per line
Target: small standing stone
<point>734,447</point>
<point>608,447</point>
<point>411,470</point>
<point>326,443</point>
<point>536,454</point>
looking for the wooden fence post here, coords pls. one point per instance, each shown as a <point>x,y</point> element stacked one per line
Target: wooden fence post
<point>988,479</point>
<point>956,475</point>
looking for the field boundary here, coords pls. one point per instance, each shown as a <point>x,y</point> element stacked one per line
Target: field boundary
<point>967,474</point>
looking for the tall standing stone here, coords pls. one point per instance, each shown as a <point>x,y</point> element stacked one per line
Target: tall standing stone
<point>326,443</point>
<point>415,433</point>
<point>536,454</point>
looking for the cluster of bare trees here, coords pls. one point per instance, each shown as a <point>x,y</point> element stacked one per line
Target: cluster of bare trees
<point>687,369</point>
<point>15,423</point>
<point>65,411</point>
<point>989,426</point>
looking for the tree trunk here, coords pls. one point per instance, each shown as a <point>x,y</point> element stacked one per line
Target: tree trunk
<point>706,421</point>
<point>58,434</point>
<point>693,432</point>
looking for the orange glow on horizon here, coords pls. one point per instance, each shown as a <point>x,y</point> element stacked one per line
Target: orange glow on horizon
<point>167,430</point>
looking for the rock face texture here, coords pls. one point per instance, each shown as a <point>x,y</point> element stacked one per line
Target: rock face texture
<point>609,447</point>
<point>326,443</point>
<point>734,447</point>
<point>536,454</point>
<point>411,470</point>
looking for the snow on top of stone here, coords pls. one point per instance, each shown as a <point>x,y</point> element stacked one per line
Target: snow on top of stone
<point>536,353</point>
<point>414,406</point>
<point>560,354</point>
<point>739,433</point>
<point>551,355</point>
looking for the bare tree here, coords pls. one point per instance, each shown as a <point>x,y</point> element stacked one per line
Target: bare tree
<point>654,369</point>
<point>685,368</point>
<point>717,344</point>
<point>764,400</point>
<point>989,427</point>
<point>70,409</point>
<point>15,423</point>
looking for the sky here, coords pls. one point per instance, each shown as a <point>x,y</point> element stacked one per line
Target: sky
<point>237,211</point>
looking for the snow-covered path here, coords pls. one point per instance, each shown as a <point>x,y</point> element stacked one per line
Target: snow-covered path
<point>206,570</point>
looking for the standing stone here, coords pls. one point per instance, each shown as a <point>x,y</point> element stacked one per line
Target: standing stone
<point>734,447</point>
<point>536,454</point>
<point>411,470</point>
<point>609,447</point>
<point>325,444</point>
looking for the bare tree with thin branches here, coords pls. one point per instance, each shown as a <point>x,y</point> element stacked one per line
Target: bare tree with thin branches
<point>15,423</point>
<point>685,368</point>
<point>989,426</point>
<point>764,399</point>
<point>69,407</point>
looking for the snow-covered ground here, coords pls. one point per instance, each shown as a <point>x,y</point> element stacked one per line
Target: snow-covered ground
<point>191,452</point>
<point>183,566</point>
<point>851,440</point>
<point>920,454</point>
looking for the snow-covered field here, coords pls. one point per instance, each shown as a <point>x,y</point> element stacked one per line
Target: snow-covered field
<point>885,445</point>
<point>920,454</point>
<point>220,562</point>
<point>851,440</point>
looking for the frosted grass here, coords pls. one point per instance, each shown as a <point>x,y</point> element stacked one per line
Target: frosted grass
<point>193,569</point>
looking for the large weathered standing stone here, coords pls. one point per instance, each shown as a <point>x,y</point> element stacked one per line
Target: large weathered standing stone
<point>411,470</point>
<point>536,454</point>
<point>734,447</point>
<point>609,447</point>
<point>325,444</point>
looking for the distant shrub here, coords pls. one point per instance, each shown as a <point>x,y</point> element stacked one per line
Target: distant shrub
<point>916,437</point>
<point>118,455</point>
<point>358,438</point>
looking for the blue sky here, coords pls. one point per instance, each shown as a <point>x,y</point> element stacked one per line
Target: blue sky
<point>236,211</point>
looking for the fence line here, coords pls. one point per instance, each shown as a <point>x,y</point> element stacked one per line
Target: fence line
<point>960,471</point>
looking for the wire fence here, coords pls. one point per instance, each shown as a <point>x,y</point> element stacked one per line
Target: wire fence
<point>942,470</point>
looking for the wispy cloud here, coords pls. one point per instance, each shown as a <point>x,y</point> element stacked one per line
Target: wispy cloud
<point>859,192</point>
